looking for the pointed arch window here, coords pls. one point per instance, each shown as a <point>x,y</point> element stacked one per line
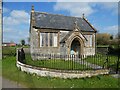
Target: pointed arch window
<point>48,39</point>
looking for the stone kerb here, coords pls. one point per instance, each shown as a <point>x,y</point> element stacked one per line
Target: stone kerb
<point>59,73</point>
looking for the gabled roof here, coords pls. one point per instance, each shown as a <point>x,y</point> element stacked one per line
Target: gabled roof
<point>68,35</point>
<point>54,21</point>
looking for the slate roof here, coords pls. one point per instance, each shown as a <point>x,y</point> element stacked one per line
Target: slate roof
<point>67,36</point>
<point>54,21</point>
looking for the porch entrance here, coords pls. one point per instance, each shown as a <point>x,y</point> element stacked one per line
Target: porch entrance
<point>75,47</point>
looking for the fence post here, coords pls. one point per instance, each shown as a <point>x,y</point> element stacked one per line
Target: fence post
<point>107,61</point>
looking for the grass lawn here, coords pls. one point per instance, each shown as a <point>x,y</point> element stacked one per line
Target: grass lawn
<point>10,71</point>
<point>56,64</point>
<point>100,60</point>
<point>8,50</point>
<point>97,59</point>
<point>11,50</point>
<point>102,45</point>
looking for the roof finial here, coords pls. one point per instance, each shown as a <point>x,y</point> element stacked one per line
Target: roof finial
<point>32,7</point>
<point>76,26</point>
<point>75,23</point>
<point>83,15</point>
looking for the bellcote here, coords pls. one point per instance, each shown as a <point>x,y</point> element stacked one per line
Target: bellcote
<point>32,9</point>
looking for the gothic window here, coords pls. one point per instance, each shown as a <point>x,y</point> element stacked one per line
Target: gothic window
<point>55,40</point>
<point>48,39</point>
<point>51,39</point>
<point>42,39</point>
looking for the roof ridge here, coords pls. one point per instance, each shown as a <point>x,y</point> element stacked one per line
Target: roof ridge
<point>90,24</point>
<point>57,14</point>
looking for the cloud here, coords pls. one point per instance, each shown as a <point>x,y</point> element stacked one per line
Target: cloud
<point>16,17</point>
<point>16,26</point>
<point>75,9</point>
<point>111,6</point>
<point>13,34</point>
<point>111,29</point>
<point>88,8</point>
<point>5,10</point>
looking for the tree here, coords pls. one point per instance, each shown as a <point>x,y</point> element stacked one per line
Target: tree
<point>111,37</point>
<point>23,42</point>
<point>103,38</point>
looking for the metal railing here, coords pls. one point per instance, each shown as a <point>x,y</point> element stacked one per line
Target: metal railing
<point>68,62</point>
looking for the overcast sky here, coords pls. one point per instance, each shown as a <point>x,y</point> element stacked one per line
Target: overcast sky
<point>16,16</point>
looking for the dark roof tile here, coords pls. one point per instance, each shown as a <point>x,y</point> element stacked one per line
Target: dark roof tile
<point>45,20</point>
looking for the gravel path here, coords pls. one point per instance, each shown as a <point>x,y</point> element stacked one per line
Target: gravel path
<point>9,84</point>
<point>93,66</point>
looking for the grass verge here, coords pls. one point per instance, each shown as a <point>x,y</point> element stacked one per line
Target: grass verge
<point>10,71</point>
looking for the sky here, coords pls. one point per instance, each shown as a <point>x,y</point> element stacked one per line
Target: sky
<point>16,16</point>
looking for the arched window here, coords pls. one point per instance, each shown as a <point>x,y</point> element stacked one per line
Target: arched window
<point>48,39</point>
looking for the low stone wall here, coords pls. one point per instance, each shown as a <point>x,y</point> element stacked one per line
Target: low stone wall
<point>60,73</point>
<point>102,50</point>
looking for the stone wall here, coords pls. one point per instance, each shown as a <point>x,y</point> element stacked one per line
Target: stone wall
<point>33,39</point>
<point>102,50</point>
<point>35,48</point>
<point>58,73</point>
<point>89,51</point>
<point>63,34</point>
<point>61,49</point>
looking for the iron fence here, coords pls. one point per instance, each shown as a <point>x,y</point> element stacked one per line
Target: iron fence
<point>69,62</point>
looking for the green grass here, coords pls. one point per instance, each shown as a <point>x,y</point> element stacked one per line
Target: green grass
<point>114,46</point>
<point>100,60</point>
<point>10,71</point>
<point>9,51</point>
<point>102,45</point>
<point>56,64</point>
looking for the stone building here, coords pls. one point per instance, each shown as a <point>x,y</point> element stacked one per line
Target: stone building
<point>61,35</point>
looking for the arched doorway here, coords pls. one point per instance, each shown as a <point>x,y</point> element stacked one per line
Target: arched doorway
<point>75,47</point>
